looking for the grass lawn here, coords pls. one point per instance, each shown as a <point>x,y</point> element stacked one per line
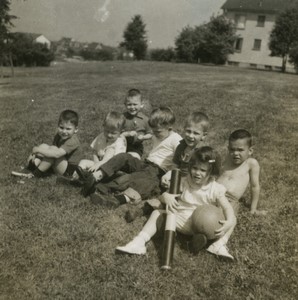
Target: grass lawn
<point>54,244</point>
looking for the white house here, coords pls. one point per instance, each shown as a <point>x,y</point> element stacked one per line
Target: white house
<point>41,39</point>
<point>35,38</point>
<point>254,20</point>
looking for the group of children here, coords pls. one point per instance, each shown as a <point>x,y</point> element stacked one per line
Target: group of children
<point>118,174</point>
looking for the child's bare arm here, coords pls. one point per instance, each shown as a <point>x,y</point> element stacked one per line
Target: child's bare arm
<point>49,151</point>
<point>170,200</point>
<point>144,137</point>
<point>109,153</point>
<point>254,178</point>
<point>95,158</point>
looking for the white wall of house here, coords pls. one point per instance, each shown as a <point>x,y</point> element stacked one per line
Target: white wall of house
<point>43,40</point>
<point>249,31</point>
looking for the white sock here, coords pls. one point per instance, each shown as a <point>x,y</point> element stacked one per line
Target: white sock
<point>141,239</point>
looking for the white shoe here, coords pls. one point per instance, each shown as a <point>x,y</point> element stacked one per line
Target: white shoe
<point>25,174</point>
<point>132,248</point>
<point>219,249</point>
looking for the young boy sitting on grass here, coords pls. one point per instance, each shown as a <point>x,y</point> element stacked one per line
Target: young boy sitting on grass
<point>240,169</point>
<point>194,133</point>
<point>136,128</point>
<point>107,144</point>
<point>62,156</point>
<point>143,177</point>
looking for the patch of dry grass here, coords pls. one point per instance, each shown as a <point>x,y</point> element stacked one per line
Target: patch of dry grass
<point>56,245</point>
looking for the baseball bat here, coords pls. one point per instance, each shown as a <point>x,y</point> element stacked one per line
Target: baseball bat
<point>170,228</point>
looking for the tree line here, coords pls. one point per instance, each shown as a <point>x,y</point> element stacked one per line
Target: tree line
<point>208,43</point>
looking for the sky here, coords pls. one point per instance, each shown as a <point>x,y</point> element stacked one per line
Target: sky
<point>104,21</point>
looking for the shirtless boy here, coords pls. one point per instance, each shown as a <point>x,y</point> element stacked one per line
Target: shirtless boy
<point>239,170</point>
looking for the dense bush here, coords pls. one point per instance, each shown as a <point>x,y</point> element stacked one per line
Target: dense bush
<point>162,54</point>
<point>104,54</point>
<point>27,53</point>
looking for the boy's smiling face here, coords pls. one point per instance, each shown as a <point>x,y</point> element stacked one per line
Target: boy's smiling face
<point>239,151</point>
<point>66,130</point>
<point>133,105</point>
<point>194,134</point>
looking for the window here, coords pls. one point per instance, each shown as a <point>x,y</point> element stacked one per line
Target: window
<point>261,21</point>
<point>240,21</point>
<point>257,45</point>
<point>238,44</point>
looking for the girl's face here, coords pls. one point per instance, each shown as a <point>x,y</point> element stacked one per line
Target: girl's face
<point>199,173</point>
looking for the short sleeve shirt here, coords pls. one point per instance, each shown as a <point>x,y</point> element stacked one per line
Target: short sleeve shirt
<point>100,145</point>
<point>71,146</point>
<point>138,123</point>
<point>162,152</point>
<point>192,197</point>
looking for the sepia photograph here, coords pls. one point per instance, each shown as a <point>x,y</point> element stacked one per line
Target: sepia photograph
<point>148,149</point>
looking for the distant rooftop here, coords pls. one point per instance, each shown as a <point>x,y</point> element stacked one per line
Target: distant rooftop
<point>261,6</point>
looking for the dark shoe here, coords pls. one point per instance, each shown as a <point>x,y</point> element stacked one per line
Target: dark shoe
<point>104,200</point>
<point>198,242</point>
<point>83,174</point>
<point>134,212</point>
<point>89,186</point>
<point>31,166</point>
<point>69,180</point>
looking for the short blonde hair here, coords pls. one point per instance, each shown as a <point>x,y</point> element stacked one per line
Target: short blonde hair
<point>114,120</point>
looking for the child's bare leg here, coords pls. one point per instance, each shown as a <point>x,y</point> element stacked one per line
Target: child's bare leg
<point>45,164</point>
<point>137,245</point>
<point>60,165</point>
<point>85,164</point>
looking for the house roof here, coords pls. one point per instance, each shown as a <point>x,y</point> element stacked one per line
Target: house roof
<point>261,6</point>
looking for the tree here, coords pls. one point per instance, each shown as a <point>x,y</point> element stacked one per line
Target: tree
<point>217,40</point>
<point>211,42</point>
<point>186,43</point>
<point>135,37</point>
<point>293,57</point>
<point>284,35</point>
<point>5,25</point>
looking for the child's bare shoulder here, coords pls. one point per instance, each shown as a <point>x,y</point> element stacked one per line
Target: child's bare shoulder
<point>252,163</point>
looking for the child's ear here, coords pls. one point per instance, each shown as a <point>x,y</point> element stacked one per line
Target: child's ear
<point>76,130</point>
<point>251,150</point>
<point>204,135</point>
